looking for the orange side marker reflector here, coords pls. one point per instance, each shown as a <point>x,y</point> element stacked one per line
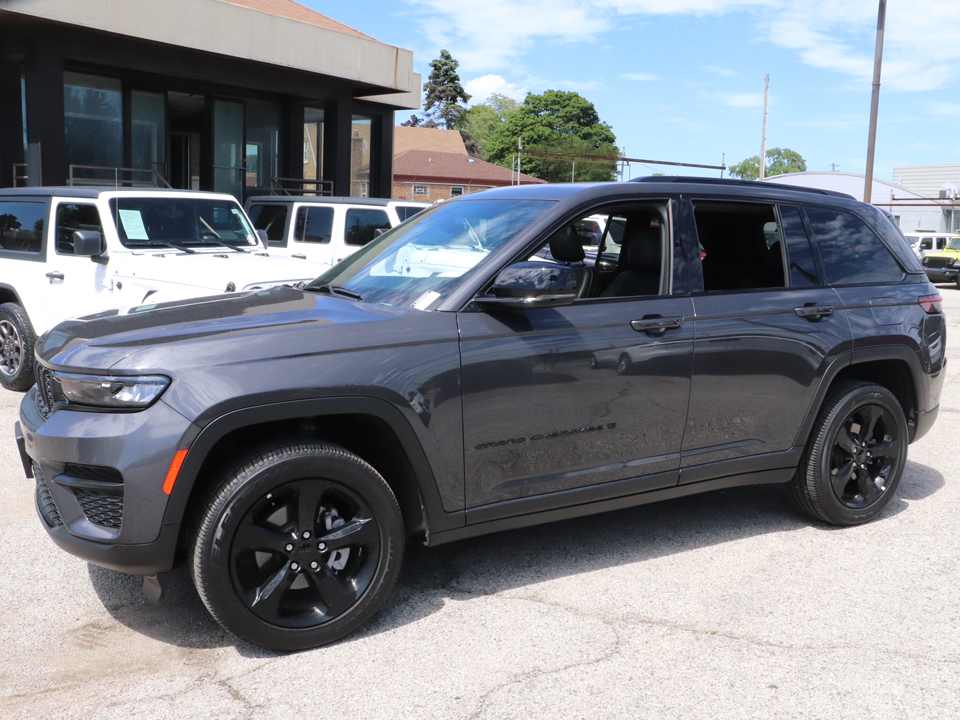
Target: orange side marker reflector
<point>174,471</point>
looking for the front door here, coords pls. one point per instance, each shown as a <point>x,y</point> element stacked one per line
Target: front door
<point>575,397</point>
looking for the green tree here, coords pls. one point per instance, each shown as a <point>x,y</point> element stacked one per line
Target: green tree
<point>556,121</point>
<point>443,93</point>
<point>780,161</point>
<point>483,119</point>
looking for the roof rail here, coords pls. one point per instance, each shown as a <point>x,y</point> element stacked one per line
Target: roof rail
<point>691,180</point>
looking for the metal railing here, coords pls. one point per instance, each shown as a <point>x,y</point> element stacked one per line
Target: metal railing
<point>116,176</point>
<point>21,176</point>
<point>300,186</point>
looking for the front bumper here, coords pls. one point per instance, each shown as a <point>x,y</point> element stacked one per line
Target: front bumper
<point>942,275</point>
<point>100,481</point>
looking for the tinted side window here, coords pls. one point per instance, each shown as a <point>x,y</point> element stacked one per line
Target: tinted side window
<point>851,251</point>
<point>803,269</point>
<point>362,225</point>
<point>272,219</point>
<point>21,226</point>
<point>75,216</point>
<point>315,224</point>
<point>740,246</point>
<point>407,211</point>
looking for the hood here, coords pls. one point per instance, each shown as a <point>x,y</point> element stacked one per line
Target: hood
<point>214,330</point>
<point>205,270</point>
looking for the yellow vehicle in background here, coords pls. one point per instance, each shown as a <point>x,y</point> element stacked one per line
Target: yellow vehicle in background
<point>944,266</point>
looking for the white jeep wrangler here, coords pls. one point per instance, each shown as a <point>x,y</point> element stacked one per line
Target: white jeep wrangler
<point>66,252</point>
<point>324,229</point>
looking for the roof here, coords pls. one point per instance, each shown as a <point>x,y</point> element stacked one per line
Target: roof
<point>433,139</point>
<point>295,11</point>
<point>425,165</point>
<point>316,200</point>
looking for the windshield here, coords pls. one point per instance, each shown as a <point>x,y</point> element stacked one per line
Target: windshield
<point>415,264</point>
<point>954,244</point>
<point>181,221</point>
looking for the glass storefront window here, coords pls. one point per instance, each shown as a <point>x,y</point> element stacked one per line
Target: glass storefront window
<point>148,131</point>
<point>262,145</point>
<point>227,147</point>
<point>312,146</point>
<point>93,120</point>
<point>361,156</point>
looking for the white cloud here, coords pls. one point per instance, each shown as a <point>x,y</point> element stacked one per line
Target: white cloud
<point>740,100</point>
<point>921,51</point>
<point>483,87</point>
<point>639,77</point>
<point>721,71</point>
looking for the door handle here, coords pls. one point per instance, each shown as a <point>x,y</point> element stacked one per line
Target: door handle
<point>55,275</point>
<point>814,312</point>
<point>298,255</point>
<point>656,324</point>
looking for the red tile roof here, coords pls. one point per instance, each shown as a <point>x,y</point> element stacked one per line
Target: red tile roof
<point>295,11</point>
<point>429,166</point>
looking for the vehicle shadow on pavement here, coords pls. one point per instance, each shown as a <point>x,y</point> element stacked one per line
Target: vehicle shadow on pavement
<point>508,560</point>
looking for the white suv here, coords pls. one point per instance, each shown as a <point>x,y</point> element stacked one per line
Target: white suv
<point>325,230</point>
<point>66,252</point>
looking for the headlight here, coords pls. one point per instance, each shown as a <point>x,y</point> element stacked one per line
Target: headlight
<point>104,391</point>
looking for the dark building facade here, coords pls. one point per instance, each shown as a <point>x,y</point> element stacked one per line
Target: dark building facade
<point>238,96</point>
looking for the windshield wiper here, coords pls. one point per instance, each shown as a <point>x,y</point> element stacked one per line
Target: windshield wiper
<point>161,243</point>
<point>335,290</point>
<point>211,241</point>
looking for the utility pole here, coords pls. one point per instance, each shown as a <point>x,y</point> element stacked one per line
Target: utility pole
<point>874,103</point>
<point>763,138</point>
<point>519,154</point>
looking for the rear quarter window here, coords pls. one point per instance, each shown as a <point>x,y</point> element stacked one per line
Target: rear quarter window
<point>21,226</point>
<point>851,252</point>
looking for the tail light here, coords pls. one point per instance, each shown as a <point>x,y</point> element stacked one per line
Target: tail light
<point>931,304</point>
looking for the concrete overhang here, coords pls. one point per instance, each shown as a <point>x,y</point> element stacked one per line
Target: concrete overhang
<point>226,29</point>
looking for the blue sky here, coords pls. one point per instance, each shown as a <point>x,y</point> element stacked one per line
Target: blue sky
<point>683,80</point>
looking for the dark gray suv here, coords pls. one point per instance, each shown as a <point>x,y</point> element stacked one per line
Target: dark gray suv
<point>452,378</point>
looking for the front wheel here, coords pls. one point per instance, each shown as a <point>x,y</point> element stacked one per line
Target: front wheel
<point>298,547</point>
<point>855,456</point>
<point>16,348</point>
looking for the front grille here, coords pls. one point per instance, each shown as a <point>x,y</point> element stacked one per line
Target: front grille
<point>937,262</point>
<point>104,508</point>
<point>45,503</point>
<point>45,401</point>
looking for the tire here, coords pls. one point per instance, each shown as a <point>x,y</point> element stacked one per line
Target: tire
<point>298,547</point>
<point>16,348</point>
<point>624,365</point>
<point>855,456</point>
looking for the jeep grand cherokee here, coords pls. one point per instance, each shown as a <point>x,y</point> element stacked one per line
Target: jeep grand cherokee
<point>449,380</point>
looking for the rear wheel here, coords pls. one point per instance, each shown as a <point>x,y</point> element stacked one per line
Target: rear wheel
<point>855,456</point>
<point>16,348</point>
<point>298,547</point>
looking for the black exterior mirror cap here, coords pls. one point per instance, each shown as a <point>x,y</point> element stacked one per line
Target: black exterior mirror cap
<point>87,243</point>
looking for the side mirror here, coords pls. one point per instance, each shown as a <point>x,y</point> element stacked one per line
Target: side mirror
<point>262,234</point>
<point>87,243</point>
<point>532,284</point>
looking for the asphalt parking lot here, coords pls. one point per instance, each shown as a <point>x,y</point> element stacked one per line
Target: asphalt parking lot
<point>727,605</point>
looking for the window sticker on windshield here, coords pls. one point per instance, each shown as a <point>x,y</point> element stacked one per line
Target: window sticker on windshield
<point>132,223</point>
<point>425,300</point>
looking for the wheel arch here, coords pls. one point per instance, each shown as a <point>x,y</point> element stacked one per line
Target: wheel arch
<point>895,368</point>
<point>9,294</point>
<point>373,429</point>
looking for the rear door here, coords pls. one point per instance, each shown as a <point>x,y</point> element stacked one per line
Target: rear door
<point>767,327</point>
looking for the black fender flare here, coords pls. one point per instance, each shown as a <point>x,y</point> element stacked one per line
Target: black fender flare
<point>435,517</point>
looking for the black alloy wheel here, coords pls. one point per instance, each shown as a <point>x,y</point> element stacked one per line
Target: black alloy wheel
<point>299,547</point>
<point>16,348</point>
<point>855,457</point>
